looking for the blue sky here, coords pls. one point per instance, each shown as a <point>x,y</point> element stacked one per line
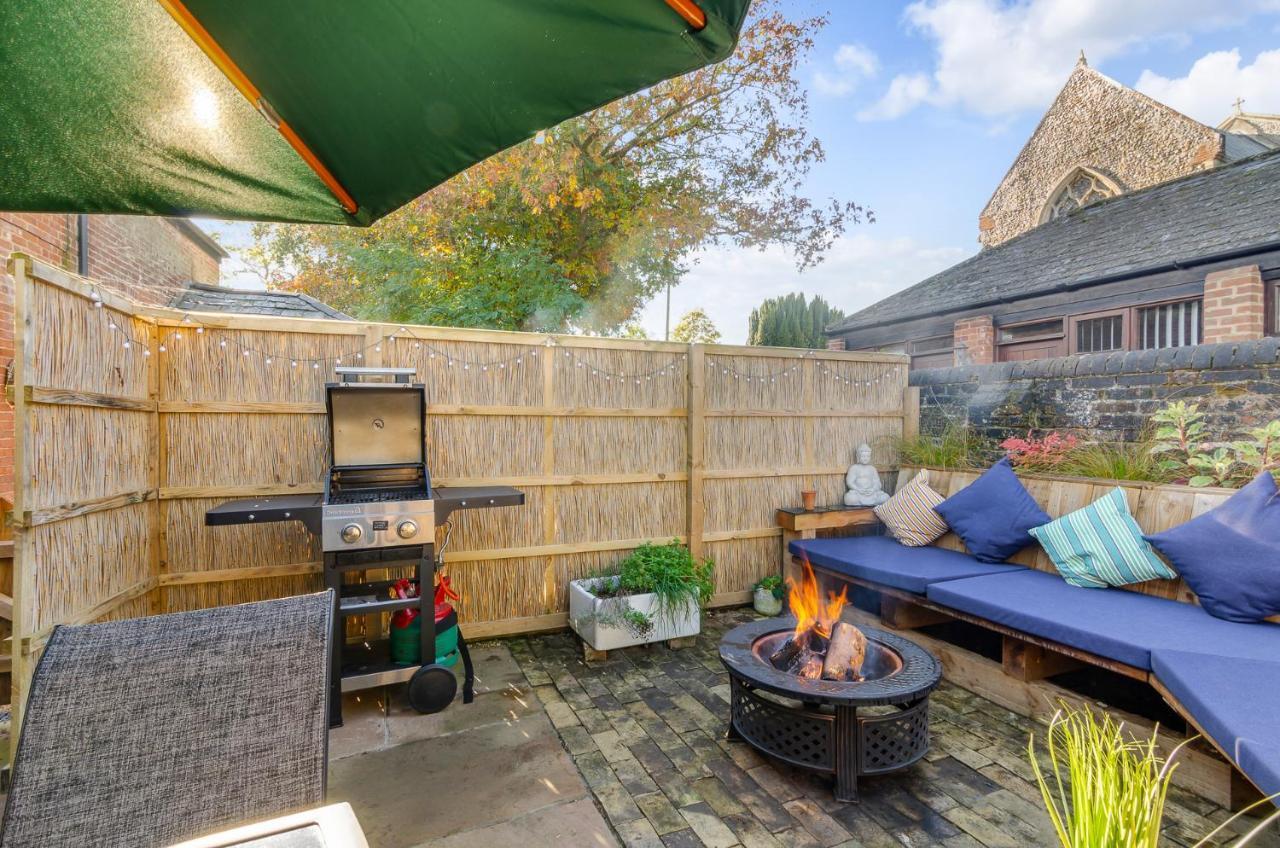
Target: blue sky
<point>922,107</point>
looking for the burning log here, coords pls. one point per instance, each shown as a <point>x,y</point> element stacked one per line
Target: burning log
<point>786,655</point>
<point>810,666</point>
<point>845,654</point>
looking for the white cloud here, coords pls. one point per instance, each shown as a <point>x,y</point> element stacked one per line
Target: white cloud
<point>1215,81</point>
<point>995,59</point>
<point>854,63</point>
<point>906,92</point>
<point>860,269</point>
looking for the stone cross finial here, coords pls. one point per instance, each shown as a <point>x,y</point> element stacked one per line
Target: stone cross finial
<point>1239,104</point>
<point>1082,62</point>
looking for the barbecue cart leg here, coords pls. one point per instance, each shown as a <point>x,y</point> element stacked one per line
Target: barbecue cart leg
<point>427,603</point>
<point>469,672</point>
<point>333,581</point>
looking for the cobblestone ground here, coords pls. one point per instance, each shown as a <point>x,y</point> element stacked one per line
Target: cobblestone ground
<point>646,729</point>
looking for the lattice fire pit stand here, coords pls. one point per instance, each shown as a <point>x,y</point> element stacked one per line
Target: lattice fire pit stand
<point>815,724</point>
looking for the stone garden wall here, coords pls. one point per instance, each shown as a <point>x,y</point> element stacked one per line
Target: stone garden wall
<point>1108,396</point>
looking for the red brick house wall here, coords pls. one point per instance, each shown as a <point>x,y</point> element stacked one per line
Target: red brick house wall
<point>148,259</point>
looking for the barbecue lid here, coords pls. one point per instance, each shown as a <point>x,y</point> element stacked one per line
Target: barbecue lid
<point>377,423</point>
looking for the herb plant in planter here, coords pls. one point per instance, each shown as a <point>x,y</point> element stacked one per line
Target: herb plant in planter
<point>766,595</point>
<point>658,593</point>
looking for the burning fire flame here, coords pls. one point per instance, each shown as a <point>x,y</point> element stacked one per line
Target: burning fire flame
<point>807,606</point>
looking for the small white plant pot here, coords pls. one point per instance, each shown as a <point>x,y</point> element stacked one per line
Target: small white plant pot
<point>765,602</point>
<point>589,616</point>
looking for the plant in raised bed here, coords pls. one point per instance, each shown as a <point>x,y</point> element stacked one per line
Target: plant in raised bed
<point>956,446</point>
<point>1186,452</point>
<point>657,593</point>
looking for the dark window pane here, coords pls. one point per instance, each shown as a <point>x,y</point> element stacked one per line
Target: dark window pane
<point>1171,325</point>
<point>1094,335</point>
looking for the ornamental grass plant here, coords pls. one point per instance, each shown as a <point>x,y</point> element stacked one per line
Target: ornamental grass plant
<point>1103,788</point>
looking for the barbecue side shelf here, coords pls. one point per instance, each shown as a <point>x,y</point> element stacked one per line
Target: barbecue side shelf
<point>308,508</point>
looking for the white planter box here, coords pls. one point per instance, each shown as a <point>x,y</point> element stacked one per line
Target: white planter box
<point>586,612</point>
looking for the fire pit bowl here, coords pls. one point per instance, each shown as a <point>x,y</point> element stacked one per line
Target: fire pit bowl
<point>815,724</point>
<point>881,660</point>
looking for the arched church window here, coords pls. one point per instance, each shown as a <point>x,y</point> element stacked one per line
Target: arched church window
<point>1079,189</point>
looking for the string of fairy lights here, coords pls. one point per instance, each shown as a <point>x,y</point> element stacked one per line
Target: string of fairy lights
<point>504,364</point>
<point>773,376</point>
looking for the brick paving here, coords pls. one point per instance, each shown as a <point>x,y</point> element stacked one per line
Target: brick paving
<point>646,730</point>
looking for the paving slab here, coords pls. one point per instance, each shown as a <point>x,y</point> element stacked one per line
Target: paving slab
<point>576,824</point>
<point>407,794</point>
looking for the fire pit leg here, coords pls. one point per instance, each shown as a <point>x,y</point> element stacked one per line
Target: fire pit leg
<point>847,755</point>
<point>731,733</point>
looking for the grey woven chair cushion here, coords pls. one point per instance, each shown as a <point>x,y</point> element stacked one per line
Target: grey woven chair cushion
<point>153,730</point>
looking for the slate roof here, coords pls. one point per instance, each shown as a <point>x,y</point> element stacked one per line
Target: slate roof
<point>1230,207</point>
<point>198,297</point>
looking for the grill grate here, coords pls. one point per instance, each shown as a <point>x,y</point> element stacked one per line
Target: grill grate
<point>378,496</point>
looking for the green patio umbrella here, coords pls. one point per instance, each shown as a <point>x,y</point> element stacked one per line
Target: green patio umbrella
<point>327,111</point>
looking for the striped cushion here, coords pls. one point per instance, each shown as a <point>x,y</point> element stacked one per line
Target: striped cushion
<point>909,514</point>
<point>1101,545</point>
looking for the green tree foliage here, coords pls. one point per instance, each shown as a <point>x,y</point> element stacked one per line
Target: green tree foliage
<point>791,322</point>
<point>695,327</point>
<point>579,228</point>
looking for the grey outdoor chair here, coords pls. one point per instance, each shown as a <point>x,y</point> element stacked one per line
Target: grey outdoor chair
<point>153,730</point>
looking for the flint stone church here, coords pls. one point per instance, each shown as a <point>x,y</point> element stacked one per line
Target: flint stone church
<point>1122,225</point>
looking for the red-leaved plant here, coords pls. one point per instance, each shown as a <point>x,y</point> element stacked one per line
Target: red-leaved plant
<point>1044,452</point>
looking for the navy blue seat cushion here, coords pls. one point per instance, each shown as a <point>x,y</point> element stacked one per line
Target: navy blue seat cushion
<point>888,562</point>
<point>1114,623</point>
<point>1261,762</point>
<point>1230,556</point>
<point>994,514</point>
<point>1224,696</point>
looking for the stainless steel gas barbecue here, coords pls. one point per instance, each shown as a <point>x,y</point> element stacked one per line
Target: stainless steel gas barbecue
<point>378,511</point>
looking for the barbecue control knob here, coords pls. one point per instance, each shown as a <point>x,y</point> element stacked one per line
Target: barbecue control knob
<point>352,533</point>
<point>407,529</point>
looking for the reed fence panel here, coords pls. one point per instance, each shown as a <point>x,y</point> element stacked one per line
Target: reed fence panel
<point>614,442</point>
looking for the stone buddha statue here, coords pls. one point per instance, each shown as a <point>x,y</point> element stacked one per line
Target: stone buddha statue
<point>863,481</point>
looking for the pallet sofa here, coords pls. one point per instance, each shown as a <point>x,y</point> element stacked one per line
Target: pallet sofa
<point>1222,677</point>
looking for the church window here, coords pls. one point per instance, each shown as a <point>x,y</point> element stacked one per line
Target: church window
<point>1170,325</point>
<point>1080,189</point>
<point>1097,334</point>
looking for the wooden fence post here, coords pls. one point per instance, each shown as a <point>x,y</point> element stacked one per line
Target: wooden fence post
<point>696,443</point>
<point>910,412</point>
<point>21,625</point>
<point>549,581</point>
<point>157,471</point>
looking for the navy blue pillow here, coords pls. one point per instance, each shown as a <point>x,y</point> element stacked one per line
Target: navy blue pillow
<point>994,514</point>
<point>1230,556</point>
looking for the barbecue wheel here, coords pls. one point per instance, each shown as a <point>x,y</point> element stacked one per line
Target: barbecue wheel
<point>432,688</point>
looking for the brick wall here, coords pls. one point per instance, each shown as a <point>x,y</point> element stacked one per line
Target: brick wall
<point>975,340</point>
<point>1106,396</point>
<point>1234,305</point>
<point>145,258</point>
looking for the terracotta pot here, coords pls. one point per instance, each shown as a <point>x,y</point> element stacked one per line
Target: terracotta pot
<point>810,499</point>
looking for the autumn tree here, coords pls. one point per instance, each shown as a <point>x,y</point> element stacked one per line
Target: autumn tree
<point>580,227</point>
<point>695,327</point>
<point>790,321</point>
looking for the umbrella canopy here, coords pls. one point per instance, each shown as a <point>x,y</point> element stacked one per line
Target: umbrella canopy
<point>324,111</point>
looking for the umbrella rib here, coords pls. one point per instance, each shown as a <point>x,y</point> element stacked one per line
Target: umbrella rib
<point>689,10</point>
<point>245,86</point>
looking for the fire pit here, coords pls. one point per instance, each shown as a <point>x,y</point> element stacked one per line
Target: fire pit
<point>797,685</point>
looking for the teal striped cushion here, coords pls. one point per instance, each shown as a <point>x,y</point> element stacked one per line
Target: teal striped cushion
<point>1101,545</point>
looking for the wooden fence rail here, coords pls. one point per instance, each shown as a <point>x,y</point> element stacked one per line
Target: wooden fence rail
<point>133,421</point>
